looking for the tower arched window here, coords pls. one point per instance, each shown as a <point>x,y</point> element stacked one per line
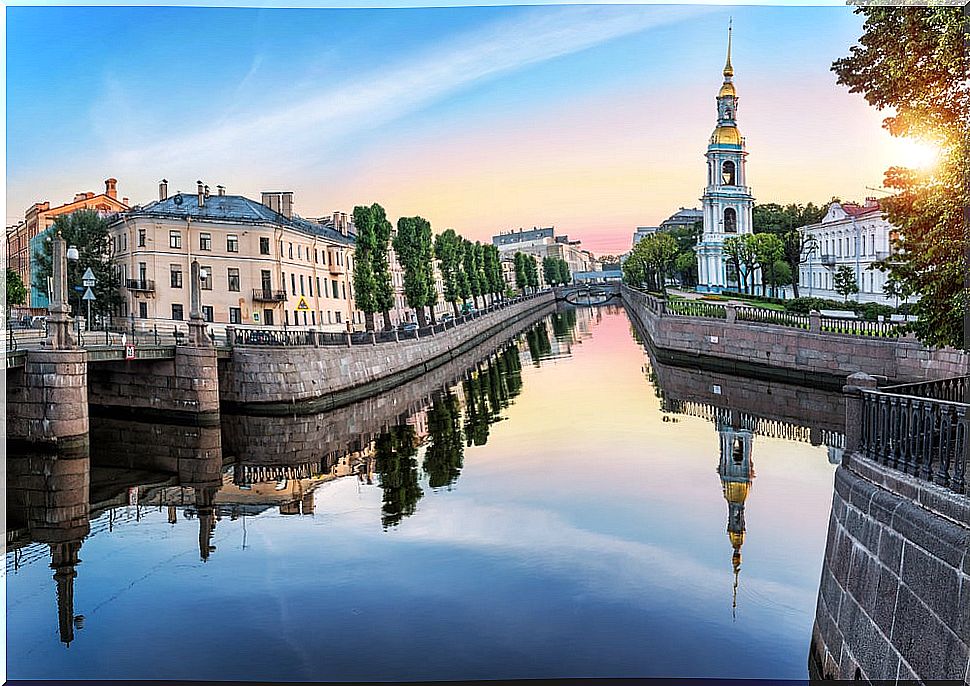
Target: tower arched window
<point>730,220</point>
<point>729,173</point>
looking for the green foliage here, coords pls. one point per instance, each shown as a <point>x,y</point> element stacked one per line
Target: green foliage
<point>365,284</point>
<point>395,463</point>
<point>913,61</point>
<point>89,232</point>
<point>844,282</point>
<point>447,248</point>
<point>445,454</point>
<point>16,291</point>
<point>521,276</point>
<point>414,254</point>
<point>380,263</point>
<point>564,274</point>
<point>550,270</point>
<point>740,252</point>
<point>469,268</point>
<point>651,262</point>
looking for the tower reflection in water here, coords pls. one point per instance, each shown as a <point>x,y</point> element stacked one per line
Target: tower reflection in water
<point>736,471</point>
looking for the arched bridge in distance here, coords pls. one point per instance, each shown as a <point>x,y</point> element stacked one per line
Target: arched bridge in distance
<point>589,294</point>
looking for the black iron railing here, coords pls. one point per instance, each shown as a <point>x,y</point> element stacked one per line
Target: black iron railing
<point>268,295</point>
<point>140,285</point>
<point>955,389</point>
<point>861,327</point>
<point>925,437</point>
<point>766,316</point>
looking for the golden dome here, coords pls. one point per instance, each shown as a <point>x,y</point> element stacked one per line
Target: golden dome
<point>726,135</point>
<point>735,491</point>
<point>727,89</point>
<point>737,540</point>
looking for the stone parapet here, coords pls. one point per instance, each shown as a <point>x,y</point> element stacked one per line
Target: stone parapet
<point>310,379</point>
<point>894,598</point>
<point>47,398</point>
<point>804,356</point>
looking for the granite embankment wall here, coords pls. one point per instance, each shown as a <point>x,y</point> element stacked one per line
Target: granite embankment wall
<point>894,598</point>
<point>287,380</point>
<point>785,353</point>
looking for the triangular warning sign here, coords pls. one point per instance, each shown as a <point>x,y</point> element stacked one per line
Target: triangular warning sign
<point>302,304</point>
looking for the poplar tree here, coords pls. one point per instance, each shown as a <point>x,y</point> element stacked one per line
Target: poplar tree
<point>381,266</point>
<point>364,282</point>
<point>409,246</point>
<point>447,248</point>
<point>521,276</point>
<point>469,263</point>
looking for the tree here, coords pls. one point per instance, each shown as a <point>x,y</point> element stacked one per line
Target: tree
<point>797,248</point>
<point>16,291</point>
<point>381,266</point>
<point>521,276</point>
<point>395,463</point>
<point>470,270</point>
<point>661,251</point>
<point>445,453</point>
<point>483,287</point>
<point>428,259</point>
<point>913,60</point>
<point>531,273</point>
<point>768,249</point>
<point>550,270</point>
<point>785,223</point>
<point>365,285</point>
<point>447,248</point>
<point>411,253</point>
<point>564,275</point>
<point>88,231</point>
<point>844,282</point>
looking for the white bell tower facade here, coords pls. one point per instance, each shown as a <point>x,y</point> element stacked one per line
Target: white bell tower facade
<point>727,198</point>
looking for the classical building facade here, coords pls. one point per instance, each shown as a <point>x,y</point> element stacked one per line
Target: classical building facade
<point>543,242</point>
<point>849,235</point>
<point>262,264</point>
<point>727,199</point>
<point>24,237</point>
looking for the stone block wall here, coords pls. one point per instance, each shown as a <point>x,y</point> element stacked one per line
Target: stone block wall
<point>186,387</point>
<point>894,598</point>
<point>48,492</point>
<point>47,398</point>
<point>807,357</point>
<point>264,378</point>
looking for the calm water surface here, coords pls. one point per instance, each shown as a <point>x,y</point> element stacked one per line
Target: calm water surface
<point>556,513</point>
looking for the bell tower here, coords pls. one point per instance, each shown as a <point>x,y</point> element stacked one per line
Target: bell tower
<point>727,198</point>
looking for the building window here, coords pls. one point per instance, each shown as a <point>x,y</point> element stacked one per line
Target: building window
<point>291,251</point>
<point>205,278</point>
<point>343,289</point>
<point>263,245</point>
<point>233,279</point>
<point>313,318</point>
<point>293,284</point>
<point>175,239</point>
<point>333,287</point>
<point>235,315</point>
<point>143,310</point>
<point>283,274</point>
<point>309,283</point>
<point>337,315</point>
<point>205,241</point>
<point>301,285</point>
<point>316,256</point>
<point>268,317</point>
<point>299,251</point>
<point>177,312</point>
<point>286,316</point>
<point>728,173</point>
<point>232,243</point>
<point>730,220</point>
<point>141,238</point>
<point>176,274</point>
<point>207,313</point>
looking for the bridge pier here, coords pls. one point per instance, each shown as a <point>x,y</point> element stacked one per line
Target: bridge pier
<point>47,399</point>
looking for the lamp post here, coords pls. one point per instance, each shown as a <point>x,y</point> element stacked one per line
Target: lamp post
<point>73,256</point>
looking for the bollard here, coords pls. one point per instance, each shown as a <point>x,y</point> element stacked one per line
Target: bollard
<point>815,321</point>
<point>730,313</point>
<point>348,338</point>
<point>853,408</point>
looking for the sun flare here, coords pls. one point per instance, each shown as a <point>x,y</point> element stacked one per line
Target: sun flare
<point>915,154</point>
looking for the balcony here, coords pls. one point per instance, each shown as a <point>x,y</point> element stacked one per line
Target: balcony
<point>268,295</point>
<point>828,260</point>
<point>146,285</point>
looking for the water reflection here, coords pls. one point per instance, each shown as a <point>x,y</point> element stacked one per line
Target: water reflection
<point>536,478</point>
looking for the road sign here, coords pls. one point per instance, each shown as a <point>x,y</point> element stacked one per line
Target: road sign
<point>129,352</point>
<point>302,304</point>
<point>88,295</point>
<point>88,278</point>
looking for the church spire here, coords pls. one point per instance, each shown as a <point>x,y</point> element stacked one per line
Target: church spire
<point>728,69</point>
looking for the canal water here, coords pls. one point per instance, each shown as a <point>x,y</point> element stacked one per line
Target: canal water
<point>555,511</point>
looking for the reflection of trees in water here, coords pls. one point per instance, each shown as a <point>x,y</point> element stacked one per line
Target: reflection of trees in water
<point>538,341</point>
<point>563,324</point>
<point>443,458</point>
<point>489,391</point>
<point>394,453</point>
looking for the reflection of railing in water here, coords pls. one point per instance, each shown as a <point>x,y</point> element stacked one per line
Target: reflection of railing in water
<point>769,428</point>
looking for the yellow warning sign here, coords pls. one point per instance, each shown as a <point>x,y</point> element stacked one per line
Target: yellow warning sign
<point>302,304</point>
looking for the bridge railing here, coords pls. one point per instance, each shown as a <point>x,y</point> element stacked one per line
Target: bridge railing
<point>926,437</point>
<point>765,316</point>
<point>955,389</point>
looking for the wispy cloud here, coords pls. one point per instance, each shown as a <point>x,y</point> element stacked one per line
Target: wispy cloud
<point>298,132</point>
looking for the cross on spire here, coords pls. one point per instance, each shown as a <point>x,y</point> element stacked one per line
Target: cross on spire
<point>728,69</point>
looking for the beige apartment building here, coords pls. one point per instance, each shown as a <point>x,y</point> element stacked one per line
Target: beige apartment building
<point>262,265</point>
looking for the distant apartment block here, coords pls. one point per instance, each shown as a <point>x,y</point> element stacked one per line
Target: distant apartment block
<point>543,242</point>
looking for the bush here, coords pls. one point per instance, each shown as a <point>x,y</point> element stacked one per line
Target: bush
<point>806,305</point>
<point>872,311</point>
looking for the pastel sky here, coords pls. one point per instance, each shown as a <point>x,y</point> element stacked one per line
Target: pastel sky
<point>590,118</point>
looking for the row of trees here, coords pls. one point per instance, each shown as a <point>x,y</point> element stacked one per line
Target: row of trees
<point>526,272</point>
<point>555,270</point>
<point>469,270</point>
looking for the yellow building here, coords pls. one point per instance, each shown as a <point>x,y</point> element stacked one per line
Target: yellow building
<point>262,264</point>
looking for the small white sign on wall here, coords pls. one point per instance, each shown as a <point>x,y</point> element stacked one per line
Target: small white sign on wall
<point>714,339</point>
<point>716,389</point>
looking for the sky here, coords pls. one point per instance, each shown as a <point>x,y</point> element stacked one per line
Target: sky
<point>593,119</point>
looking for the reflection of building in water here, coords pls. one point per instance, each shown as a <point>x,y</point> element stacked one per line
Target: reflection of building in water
<point>736,472</point>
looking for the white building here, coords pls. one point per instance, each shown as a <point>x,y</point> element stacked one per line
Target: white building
<point>852,235</point>
<point>543,242</point>
<point>727,199</point>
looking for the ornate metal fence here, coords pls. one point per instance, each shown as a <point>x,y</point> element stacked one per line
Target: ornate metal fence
<point>925,437</point>
<point>696,308</point>
<point>766,316</point>
<point>861,327</point>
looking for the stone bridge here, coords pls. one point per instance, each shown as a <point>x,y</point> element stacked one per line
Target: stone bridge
<point>586,294</point>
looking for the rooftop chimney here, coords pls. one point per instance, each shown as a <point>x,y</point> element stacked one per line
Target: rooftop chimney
<point>207,191</point>
<point>271,200</point>
<point>80,196</point>
<point>111,188</point>
<point>201,192</point>
<point>163,189</point>
<point>124,201</point>
<point>286,204</point>
<point>220,190</point>
<point>344,224</point>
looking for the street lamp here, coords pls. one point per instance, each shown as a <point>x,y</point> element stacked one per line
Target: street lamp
<point>73,255</point>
